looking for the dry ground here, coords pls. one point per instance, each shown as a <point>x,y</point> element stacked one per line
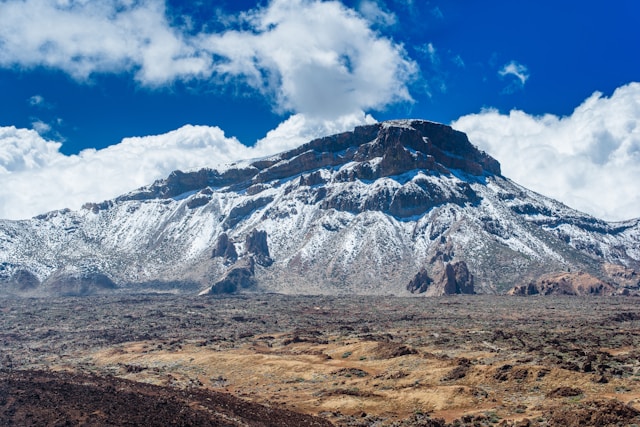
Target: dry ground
<point>466,360</point>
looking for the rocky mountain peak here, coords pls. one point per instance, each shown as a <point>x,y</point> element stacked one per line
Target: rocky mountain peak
<point>382,149</point>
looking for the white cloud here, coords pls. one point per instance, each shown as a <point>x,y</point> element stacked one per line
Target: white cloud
<point>375,14</point>
<point>41,127</point>
<point>37,101</point>
<point>86,37</point>
<point>590,160</point>
<point>299,129</point>
<point>519,71</point>
<point>24,150</point>
<point>37,177</point>
<point>313,57</point>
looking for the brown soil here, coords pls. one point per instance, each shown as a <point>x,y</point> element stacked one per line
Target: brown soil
<point>39,398</point>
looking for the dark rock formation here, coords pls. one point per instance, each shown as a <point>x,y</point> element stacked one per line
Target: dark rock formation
<point>401,146</point>
<point>241,211</point>
<point>240,276</point>
<point>564,284</point>
<point>457,279</point>
<point>420,282</point>
<point>225,249</point>
<point>421,195</point>
<point>78,284</point>
<point>256,245</point>
<point>198,201</point>
<point>42,398</point>
<point>450,278</point>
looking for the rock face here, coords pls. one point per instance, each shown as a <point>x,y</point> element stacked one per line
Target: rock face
<point>420,282</point>
<point>225,249</point>
<point>579,284</point>
<point>457,279</point>
<point>256,245</point>
<point>450,279</point>
<point>404,207</point>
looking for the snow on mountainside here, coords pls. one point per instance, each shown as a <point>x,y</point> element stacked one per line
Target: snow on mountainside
<point>400,207</point>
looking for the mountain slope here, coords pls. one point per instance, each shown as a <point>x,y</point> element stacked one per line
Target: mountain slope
<point>400,207</point>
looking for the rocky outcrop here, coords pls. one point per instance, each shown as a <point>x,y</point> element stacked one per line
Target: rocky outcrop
<point>238,213</point>
<point>421,195</point>
<point>240,276</point>
<point>623,276</point>
<point>225,249</point>
<point>577,284</point>
<point>257,246</point>
<point>450,279</point>
<point>420,282</point>
<point>78,284</point>
<point>455,278</point>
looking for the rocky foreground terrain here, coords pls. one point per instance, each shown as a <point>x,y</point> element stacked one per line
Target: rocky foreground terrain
<point>273,360</point>
<point>403,208</point>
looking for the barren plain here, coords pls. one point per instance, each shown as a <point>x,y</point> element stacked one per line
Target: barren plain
<point>348,361</point>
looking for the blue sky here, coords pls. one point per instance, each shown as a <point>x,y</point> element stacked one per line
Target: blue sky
<point>532,83</point>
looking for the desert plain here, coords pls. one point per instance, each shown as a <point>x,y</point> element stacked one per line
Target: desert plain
<point>266,359</point>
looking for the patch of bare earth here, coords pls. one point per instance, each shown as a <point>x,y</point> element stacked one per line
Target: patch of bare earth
<point>365,361</point>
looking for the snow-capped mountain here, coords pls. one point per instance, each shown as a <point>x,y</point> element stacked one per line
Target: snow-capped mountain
<point>402,207</point>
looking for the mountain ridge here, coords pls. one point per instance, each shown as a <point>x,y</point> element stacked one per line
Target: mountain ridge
<point>404,207</point>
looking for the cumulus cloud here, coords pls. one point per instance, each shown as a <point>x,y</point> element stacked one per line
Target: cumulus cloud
<point>299,129</point>
<point>85,37</point>
<point>37,177</point>
<point>590,160</point>
<point>313,57</point>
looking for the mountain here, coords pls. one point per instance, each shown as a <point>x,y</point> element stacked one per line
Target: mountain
<point>405,207</point>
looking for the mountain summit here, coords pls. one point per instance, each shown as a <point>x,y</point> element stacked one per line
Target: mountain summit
<point>406,207</point>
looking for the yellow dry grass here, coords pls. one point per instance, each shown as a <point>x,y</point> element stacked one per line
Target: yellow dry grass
<point>348,376</point>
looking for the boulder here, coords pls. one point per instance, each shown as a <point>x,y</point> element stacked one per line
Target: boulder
<point>240,276</point>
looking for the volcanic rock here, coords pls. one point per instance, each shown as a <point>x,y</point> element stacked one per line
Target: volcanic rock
<point>240,276</point>
<point>256,245</point>
<point>420,282</point>
<point>225,249</point>
<point>565,284</point>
